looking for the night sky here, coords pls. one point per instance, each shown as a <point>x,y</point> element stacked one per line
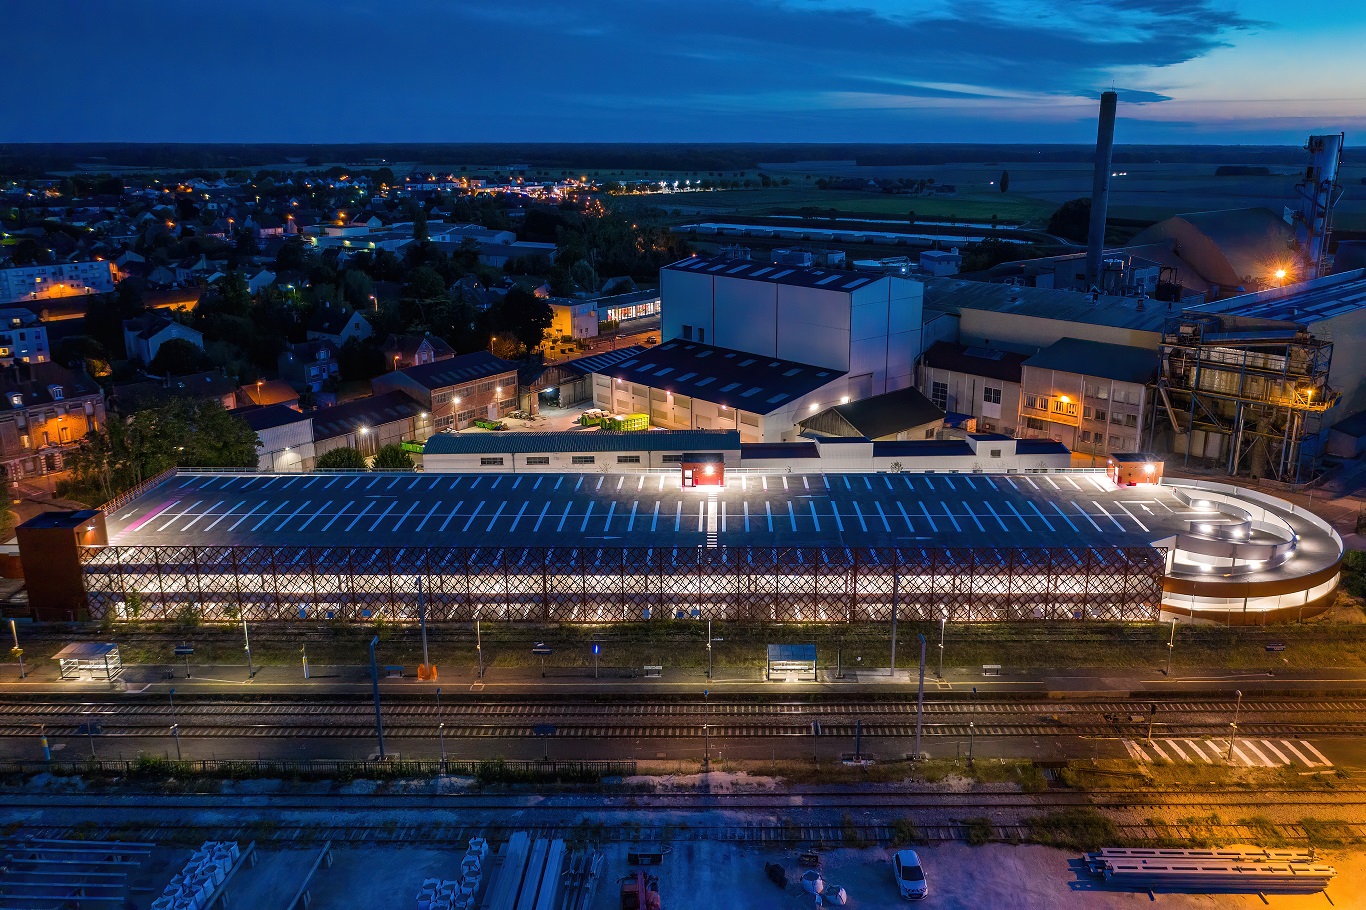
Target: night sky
<point>705,70</point>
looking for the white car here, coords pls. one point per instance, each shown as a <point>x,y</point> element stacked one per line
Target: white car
<point>910,876</point>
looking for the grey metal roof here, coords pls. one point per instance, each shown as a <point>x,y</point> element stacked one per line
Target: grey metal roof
<point>594,363</point>
<point>458,370</point>
<point>735,379</point>
<point>777,273</point>
<point>1304,303</point>
<point>371,412</point>
<point>975,361</point>
<point>499,443</point>
<point>951,295</point>
<point>267,417</point>
<point>1096,358</point>
<point>881,415</point>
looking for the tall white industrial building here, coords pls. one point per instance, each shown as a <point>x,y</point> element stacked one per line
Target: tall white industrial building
<point>756,347</point>
<point>867,326</point>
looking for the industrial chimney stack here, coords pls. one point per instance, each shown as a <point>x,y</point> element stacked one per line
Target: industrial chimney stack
<point>1100,186</point>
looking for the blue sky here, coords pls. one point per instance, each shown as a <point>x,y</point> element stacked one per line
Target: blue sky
<point>702,70</point>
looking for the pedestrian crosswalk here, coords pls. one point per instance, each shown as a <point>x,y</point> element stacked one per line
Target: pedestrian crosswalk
<point>1251,753</point>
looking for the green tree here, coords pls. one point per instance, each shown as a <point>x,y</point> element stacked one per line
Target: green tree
<point>1072,220</point>
<point>392,458</point>
<point>218,438</point>
<point>1004,182</point>
<point>419,224</point>
<point>524,316</point>
<point>178,357</point>
<point>343,459</point>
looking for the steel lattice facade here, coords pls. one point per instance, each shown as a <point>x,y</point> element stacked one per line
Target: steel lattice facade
<point>615,584</point>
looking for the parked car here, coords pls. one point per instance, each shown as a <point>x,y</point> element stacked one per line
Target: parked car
<point>651,340</point>
<point>910,876</point>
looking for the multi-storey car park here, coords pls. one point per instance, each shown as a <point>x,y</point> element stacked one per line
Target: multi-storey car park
<point>611,547</point>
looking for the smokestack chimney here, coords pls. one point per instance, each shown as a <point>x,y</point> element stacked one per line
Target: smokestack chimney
<point>1100,186</point>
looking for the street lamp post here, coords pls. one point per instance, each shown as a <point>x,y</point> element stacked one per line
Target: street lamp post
<point>943,624</point>
<point>422,620</point>
<point>175,725</point>
<point>972,730</point>
<point>1171,646</point>
<point>1233,731</point>
<point>441,732</point>
<point>920,700</point>
<point>708,649</point>
<point>479,648</point>
<point>374,684</point>
<point>246,637</point>
<point>18,651</point>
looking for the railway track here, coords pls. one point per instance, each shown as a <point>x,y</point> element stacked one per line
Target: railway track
<point>627,719</point>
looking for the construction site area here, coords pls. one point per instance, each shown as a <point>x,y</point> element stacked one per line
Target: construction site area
<point>547,873</point>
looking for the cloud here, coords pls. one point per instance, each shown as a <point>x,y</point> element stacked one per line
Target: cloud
<point>353,70</point>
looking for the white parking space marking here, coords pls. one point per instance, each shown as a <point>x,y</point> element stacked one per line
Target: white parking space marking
<point>630,522</point>
<point>607,523</point>
<point>1317,754</point>
<point>814,517</point>
<point>473,516</point>
<point>180,515</point>
<point>933,527</point>
<point>910,528</point>
<point>332,481</point>
<point>1073,483</point>
<point>654,520</point>
<point>1108,515</point>
<point>231,508</point>
<point>1046,523</point>
<point>968,481</point>
<point>1241,755</point>
<point>949,481</point>
<point>764,481</point>
<point>586,515</point>
<point>945,507</point>
<point>723,516</point>
<point>1064,517</point>
<point>269,516</point>
<point>988,479</point>
<point>1015,485</point>
<point>454,512</point>
<point>768,511</point>
<point>360,515</point>
<point>791,516</point>
<point>1087,517</point>
<point>430,513</point>
<point>995,516</point>
<point>1157,750</point>
<point>1290,747</point>
<point>497,513</point>
<point>1052,484</point>
<point>701,517</point>
<point>678,517</point>
<point>973,516</point>
<point>1018,515</point>
<point>882,515</point>
<point>207,512</point>
<point>540,518</point>
<point>858,513</point>
<point>293,515</point>
<point>1140,524</point>
<point>405,515</point>
<point>1032,483</point>
<point>1171,744</point>
<point>244,517</point>
<point>314,480</point>
<point>373,482</point>
<point>1097,484</point>
<point>393,483</point>
<point>746,505</point>
<point>382,515</point>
